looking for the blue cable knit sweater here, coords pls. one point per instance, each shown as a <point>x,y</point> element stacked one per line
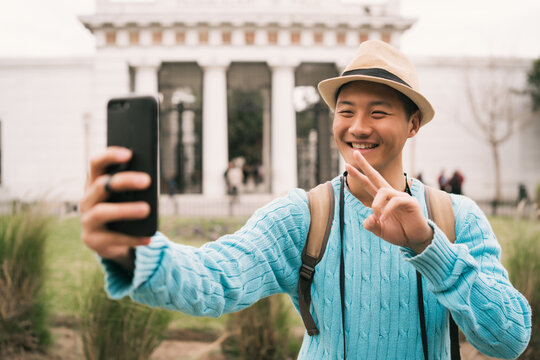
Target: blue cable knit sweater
<point>381,304</point>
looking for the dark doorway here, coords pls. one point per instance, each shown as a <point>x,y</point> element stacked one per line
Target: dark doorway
<point>180,86</point>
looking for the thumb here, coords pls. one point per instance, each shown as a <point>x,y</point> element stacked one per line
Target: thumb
<point>372,224</point>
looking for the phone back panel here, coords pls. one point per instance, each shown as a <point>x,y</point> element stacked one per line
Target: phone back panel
<point>133,122</point>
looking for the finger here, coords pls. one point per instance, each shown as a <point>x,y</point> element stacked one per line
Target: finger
<point>95,193</point>
<point>373,225</point>
<point>376,178</point>
<point>363,179</point>
<point>102,213</point>
<point>122,181</point>
<point>130,180</point>
<point>380,200</point>
<point>112,155</point>
<point>393,204</point>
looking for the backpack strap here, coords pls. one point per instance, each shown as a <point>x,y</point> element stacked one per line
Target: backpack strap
<point>440,211</point>
<point>321,208</point>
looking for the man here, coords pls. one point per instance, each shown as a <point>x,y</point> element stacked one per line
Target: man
<point>377,106</point>
<point>443,182</point>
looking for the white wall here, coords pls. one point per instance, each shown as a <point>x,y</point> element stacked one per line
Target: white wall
<point>451,141</point>
<point>43,105</point>
<point>42,109</point>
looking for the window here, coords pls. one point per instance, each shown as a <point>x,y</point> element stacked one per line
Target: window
<point>134,38</point>
<point>110,38</point>
<point>318,37</point>
<point>250,37</point>
<point>295,37</point>
<point>341,37</point>
<point>272,37</point>
<point>157,37</point>
<point>203,37</point>
<point>180,37</point>
<point>226,37</point>
<point>363,37</point>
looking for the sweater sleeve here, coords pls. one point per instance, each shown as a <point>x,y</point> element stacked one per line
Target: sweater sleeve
<point>467,278</point>
<point>226,275</point>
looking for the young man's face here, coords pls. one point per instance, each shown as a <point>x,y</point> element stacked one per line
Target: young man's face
<point>371,118</point>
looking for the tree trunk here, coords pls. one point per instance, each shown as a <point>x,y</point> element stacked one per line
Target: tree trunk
<point>497,172</point>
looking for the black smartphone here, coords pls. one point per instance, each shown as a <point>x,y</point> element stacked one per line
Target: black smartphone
<point>133,122</point>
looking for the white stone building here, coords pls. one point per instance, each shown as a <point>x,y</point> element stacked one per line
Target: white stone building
<point>217,63</point>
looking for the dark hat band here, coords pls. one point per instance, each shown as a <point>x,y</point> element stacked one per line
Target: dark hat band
<point>376,72</point>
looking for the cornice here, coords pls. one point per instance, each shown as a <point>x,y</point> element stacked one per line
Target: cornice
<point>235,20</point>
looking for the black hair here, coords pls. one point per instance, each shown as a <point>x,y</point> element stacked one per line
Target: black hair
<point>408,105</point>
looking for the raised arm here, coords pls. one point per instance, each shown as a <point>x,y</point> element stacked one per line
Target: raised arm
<point>223,276</point>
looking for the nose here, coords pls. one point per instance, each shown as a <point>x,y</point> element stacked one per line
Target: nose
<point>360,126</point>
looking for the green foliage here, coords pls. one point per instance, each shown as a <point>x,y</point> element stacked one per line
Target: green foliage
<point>533,80</point>
<point>262,331</point>
<point>67,262</point>
<point>118,329</point>
<point>523,265</point>
<point>23,308</point>
<point>245,126</point>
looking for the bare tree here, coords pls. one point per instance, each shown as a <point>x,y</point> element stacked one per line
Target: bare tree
<point>492,102</point>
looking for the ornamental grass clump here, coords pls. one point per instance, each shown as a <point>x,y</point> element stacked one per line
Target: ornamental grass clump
<point>523,265</point>
<point>23,308</point>
<point>262,331</point>
<point>118,329</point>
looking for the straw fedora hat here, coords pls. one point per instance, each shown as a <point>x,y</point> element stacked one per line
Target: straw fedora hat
<point>379,62</point>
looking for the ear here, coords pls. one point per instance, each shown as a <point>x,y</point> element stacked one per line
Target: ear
<point>414,123</point>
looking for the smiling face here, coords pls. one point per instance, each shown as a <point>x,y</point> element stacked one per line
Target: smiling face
<point>371,118</point>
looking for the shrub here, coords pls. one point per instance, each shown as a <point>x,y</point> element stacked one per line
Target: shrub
<point>23,309</point>
<point>523,265</point>
<point>118,329</point>
<point>262,331</point>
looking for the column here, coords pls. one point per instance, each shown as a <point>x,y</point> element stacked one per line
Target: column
<point>188,143</point>
<point>146,79</point>
<point>284,168</point>
<point>267,140</point>
<point>215,135</point>
<point>168,138</point>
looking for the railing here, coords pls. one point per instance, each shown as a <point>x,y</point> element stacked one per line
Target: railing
<point>508,208</point>
<point>244,205</point>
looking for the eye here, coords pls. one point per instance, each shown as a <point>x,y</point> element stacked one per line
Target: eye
<point>379,113</point>
<point>345,112</point>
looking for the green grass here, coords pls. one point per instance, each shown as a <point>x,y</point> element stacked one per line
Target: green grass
<point>69,263</point>
<point>505,229</point>
<point>118,329</point>
<point>23,308</point>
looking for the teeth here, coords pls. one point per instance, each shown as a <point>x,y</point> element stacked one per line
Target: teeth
<point>363,146</point>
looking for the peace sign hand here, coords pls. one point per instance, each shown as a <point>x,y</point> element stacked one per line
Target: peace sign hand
<point>397,217</point>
